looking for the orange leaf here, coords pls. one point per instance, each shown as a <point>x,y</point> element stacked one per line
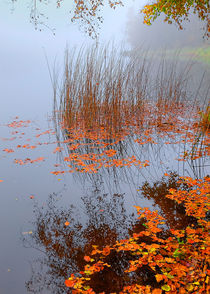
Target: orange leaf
<point>159,278</point>
<point>156,291</point>
<point>106,251</point>
<point>87,258</point>
<point>8,150</point>
<point>67,223</point>
<point>69,283</point>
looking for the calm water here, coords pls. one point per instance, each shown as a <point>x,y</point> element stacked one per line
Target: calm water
<point>102,200</point>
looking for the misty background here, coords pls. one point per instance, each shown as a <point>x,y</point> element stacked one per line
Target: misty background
<point>163,35</point>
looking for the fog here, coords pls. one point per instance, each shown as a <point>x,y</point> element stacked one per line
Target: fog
<point>163,35</point>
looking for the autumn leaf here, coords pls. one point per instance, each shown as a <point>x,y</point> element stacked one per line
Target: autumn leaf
<point>69,283</point>
<point>156,291</point>
<point>58,149</point>
<point>159,277</point>
<point>8,150</point>
<point>189,287</point>
<point>106,251</point>
<point>18,124</point>
<point>164,252</point>
<point>87,258</point>
<point>166,288</point>
<point>43,133</point>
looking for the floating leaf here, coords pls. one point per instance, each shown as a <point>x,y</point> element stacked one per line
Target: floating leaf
<point>87,258</point>
<point>8,150</point>
<point>156,291</point>
<point>159,277</point>
<point>69,283</point>
<point>166,288</point>
<point>190,287</point>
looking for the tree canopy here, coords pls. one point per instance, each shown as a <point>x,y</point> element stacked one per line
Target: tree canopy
<point>176,11</point>
<point>89,13</point>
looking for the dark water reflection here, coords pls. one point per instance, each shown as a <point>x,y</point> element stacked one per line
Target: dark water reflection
<point>64,245</point>
<point>174,213</point>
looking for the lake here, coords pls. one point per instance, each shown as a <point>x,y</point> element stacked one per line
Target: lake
<point>70,177</point>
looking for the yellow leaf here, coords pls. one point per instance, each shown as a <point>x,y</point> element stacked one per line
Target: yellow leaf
<point>166,288</point>
<point>159,277</point>
<point>190,287</point>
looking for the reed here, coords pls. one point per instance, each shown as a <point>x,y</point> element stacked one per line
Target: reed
<point>107,97</point>
<point>205,118</point>
<point>103,88</point>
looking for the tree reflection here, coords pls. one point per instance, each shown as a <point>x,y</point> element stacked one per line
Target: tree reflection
<point>104,221</point>
<point>173,212</point>
<point>65,236</point>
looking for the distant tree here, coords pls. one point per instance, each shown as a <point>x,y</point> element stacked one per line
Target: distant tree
<point>88,12</point>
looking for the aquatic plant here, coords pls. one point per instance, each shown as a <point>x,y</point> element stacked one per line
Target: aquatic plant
<point>102,88</point>
<point>205,118</point>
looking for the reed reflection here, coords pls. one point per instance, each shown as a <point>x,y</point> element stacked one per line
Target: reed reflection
<point>113,112</point>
